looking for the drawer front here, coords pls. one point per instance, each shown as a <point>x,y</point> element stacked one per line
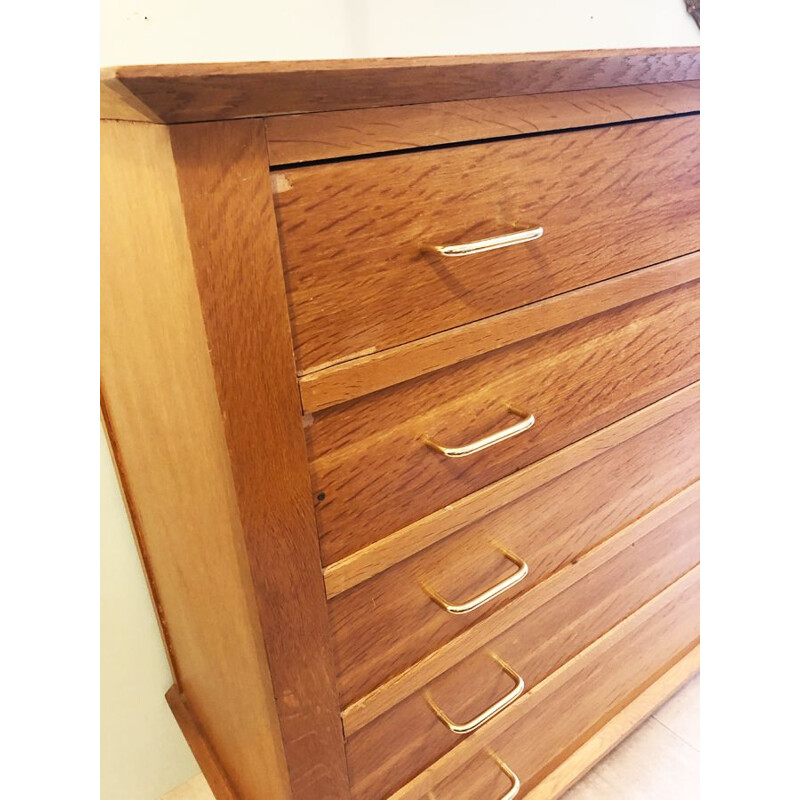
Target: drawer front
<point>388,623</point>
<point>354,235</point>
<point>569,712</point>
<point>405,740</point>
<point>373,474</point>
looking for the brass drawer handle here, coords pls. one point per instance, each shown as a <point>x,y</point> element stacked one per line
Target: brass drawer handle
<point>475,447</point>
<point>489,594</point>
<point>516,783</point>
<point>484,245</point>
<point>493,710</point>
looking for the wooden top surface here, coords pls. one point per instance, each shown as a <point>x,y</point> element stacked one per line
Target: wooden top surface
<point>201,92</point>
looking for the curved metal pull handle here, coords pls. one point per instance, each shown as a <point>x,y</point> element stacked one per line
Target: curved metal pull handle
<point>493,710</point>
<point>484,245</point>
<point>489,594</point>
<point>487,441</point>
<point>516,783</point>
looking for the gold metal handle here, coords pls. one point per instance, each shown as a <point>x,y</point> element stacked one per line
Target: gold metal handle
<point>516,783</point>
<point>493,710</point>
<point>484,245</point>
<point>489,594</point>
<point>487,441</point>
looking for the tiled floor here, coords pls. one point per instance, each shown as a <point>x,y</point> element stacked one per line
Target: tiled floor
<point>659,761</point>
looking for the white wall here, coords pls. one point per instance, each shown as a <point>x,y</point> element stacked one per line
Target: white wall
<point>174,31</point>
<point>143,754</point>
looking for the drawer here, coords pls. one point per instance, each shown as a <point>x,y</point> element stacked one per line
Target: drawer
<point>384,625</point>
<point>373,474</point>
<point>402,742</point>
<point>579,700</point>
<point>356,236</point>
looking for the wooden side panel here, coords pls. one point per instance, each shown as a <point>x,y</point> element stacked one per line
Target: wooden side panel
<point>356,235</point>
<point>223,175</point>
<point>196,92</point>
<point>373,473</point>
<point>166,431</point>
<point>297,138</point>
<point>387,624</point>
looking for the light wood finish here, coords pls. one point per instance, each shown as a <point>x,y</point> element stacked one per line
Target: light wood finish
<point>201,92</point>
<point>162,415</point>
<point>610,199</point>
<point>387,624</point>
<point>377,371</point>
<point>374,559</point>
<point>299,138</point>
<point>396,689</point>
<point>200,747</point>
<point>567,773</point>
<point>536,732</point>
<point>375,474</point>
<point>402,742</point>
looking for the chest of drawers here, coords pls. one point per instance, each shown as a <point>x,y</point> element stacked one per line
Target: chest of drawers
<point>399,365</point>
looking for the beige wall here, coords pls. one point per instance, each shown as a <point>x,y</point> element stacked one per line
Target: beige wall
<point>142,751</point>
<point>143,754</point>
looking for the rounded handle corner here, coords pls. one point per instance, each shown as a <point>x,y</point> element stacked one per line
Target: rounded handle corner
<point>493,710</point>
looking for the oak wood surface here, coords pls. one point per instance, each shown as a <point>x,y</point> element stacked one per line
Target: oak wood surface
<point>385,625</point>
<point>408,738</point>
<point>373,474</point>
<point>222,171</point>
<point>360,376</point>
<point>162,415</point>
<point>575,701</point>
<point>207,759</point>
<point>580,761</point>
<point>469,641</point>
<point>370,561</point>
<point>610,200</point>
<point>201,92</point>
<point>298,138</point>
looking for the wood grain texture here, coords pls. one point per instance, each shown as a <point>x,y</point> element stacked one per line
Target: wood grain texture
<point>352,379</point>
<point>575,701</point>
<point>589,754</point>
<point>200,92</point>
<point>370,561</point>
<point>396,689</point>
<point>165,427</point>
<point>409,737</point>
<point>373,474</point>
<point>297,138</point>
<point>610,200</point>
<point>389,623</point>
<point>223,176</point>
<point>207,759</point>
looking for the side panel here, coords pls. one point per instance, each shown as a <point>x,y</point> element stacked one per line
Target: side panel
<point>165,426</point>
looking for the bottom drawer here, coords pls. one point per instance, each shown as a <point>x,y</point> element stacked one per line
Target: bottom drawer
<point>566,709</point>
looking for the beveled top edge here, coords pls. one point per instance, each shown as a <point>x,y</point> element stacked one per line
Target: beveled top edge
<point>174,93</point>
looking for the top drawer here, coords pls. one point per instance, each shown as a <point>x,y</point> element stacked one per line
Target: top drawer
<point>356,236</point>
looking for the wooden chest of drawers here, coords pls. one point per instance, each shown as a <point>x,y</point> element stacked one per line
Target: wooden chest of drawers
<point>400,368</point>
